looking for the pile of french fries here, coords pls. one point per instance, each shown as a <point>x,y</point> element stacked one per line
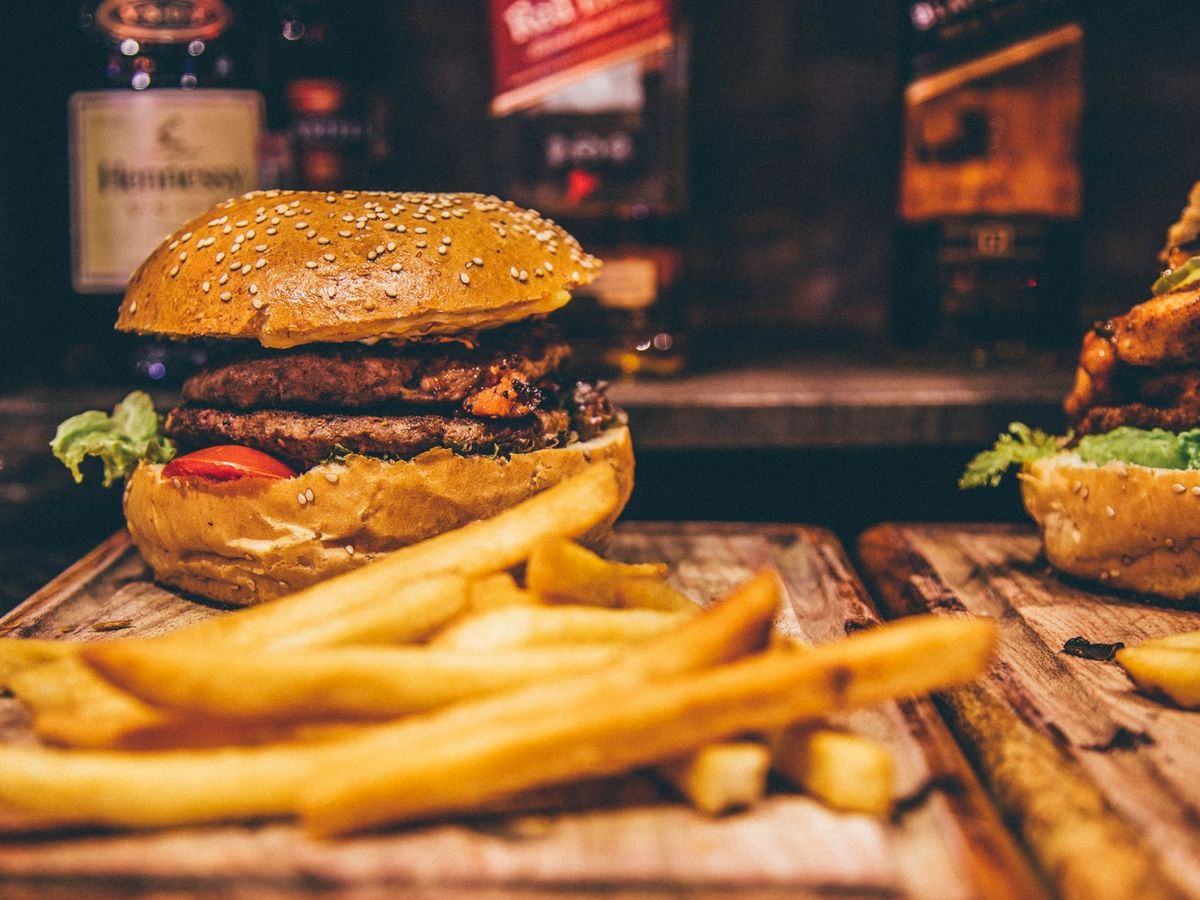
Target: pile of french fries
<point>1166,667</point>
<point>432,682</point>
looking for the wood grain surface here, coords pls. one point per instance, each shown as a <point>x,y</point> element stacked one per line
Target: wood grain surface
<point>1101,783</point>
<point>628,836</point>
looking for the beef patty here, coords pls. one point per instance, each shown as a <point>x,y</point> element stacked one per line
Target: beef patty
<point>495,375</point>
<point>303,440</point>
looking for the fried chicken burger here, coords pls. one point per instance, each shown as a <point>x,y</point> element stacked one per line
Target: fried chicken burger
<point>1118,499</point>
<point>380,371</point>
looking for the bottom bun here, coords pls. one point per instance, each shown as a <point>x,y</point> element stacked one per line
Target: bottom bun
<point>243,542</point>
<point>1130,527</point>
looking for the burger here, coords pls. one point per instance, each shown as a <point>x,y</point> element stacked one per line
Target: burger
<point>1118,498</point>
<point>380,369</point>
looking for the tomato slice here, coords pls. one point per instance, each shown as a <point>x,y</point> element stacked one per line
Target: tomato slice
<point>227,462</point>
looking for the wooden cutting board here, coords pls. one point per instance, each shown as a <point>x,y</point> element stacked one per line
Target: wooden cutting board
<point>1102,784</point>
<point>627,835</point>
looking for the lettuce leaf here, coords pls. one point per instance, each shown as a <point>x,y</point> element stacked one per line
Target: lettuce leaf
<point>1021,444</point>
<point>132,433</point>
<point>1144,447</point>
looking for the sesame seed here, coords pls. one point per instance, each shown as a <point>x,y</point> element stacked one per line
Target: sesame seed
<point>220,257</point>
<point>369,305</point>
<point>250,234</point>
<point>391,246</point>
<point>442,249</point>
<point>241,223</point>
<point>224,278</point>
<point>183,256</point>
<point>260,248</point>
<point>300,226</point>
<point>258,264</point>
<point>226,296</point>
<point>256,303</point>
<point>446,240</point>
<point>349,550</point>
<point>391,292</point>
<point>345,233</point>
<point>464,278</point>
<point>1196,491</point>
<point>1178,488</point>
<point>331,477</point>
<point>311,264</point>
<point>371,254</point>
<point>1084,493</point>
<point>172,245</point>
<point>301,499</point>
<point>548,266</point>
<point>402,228</point>
<point>514,272</point>
<point>421,245</point>
<point>331,291</point>
<point>421,229</point>
<point>348,218</point>
<point>323,241</point>
<point>174,271</point>
<point>272,231</point>
<point>311,233</point>
<point>246,269</point>
<point>389,226</point>
<point>205,286</point>
<point>228,229</point>
<point>477,260</point>
<point>253,289</point>
<point>1110,512</point>
<point>133,306</point>
<point>396,267</point>
<point>523,276</point>
<point>329,257</point>
<point>308,495</point>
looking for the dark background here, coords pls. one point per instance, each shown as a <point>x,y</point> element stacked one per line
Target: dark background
<point>794,121</point>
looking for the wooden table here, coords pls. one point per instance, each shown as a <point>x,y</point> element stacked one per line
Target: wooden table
<point>1102,784</point>
<point>632,837</point>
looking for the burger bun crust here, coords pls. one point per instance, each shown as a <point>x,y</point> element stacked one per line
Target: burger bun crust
<point>1126,526</point>
<point>246,541</point>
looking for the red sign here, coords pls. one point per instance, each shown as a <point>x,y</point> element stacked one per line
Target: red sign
<point>541,46</point>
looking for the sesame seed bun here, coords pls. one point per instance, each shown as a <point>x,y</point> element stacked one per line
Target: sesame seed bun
<point>1129,527</point>
<point>295,267</point>
<point>243,542</point>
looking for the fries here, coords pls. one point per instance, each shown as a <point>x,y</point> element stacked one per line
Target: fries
<point>1170,670</point>
<point>530,626</point>
<point>19,654</point>
<point>663,719</point>
<point>722,777</point>
<point>843,770</point>
<point>432,682</point>
<point>340,683</point>
<point>563,572</point>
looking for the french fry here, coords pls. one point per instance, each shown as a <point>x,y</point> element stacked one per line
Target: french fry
<point>1183,639</point>
<point>73,706</point>
<point>661,719</point>
<point>530,626</point>
<point>720,778</point>
<point>497,591</point>
<point>177,788</point>
<point>155,788</point>
<point>563,572</point>
<point>844,771</point>
<point>19,654</point>
<point>1164,669</point>
<point>342,683</point>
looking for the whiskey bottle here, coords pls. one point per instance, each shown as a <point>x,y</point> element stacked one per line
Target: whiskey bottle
<point>598,142</point>
<point>987,250</point>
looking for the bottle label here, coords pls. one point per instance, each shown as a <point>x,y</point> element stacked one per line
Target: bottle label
<point>997,135</point>
<point>540,47</point>
<point>144,163</point>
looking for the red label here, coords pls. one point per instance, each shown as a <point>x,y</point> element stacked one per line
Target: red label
<point>541,46</point>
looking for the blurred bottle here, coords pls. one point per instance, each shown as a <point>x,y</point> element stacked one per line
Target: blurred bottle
<point>164,130</point>
<point>326,111</point>
<point>988,246</point>
<point>592,132</point>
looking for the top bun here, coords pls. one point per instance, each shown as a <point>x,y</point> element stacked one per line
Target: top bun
<point>296,267</point>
